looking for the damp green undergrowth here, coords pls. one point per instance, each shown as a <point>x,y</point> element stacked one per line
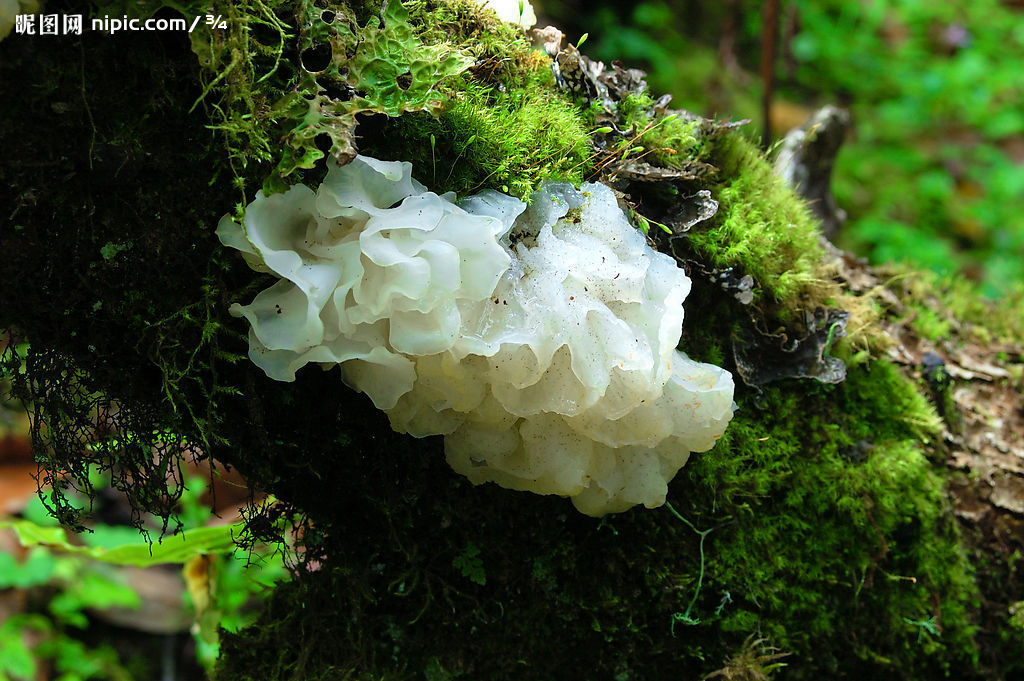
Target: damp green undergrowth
<point>108,251</point>
<point>940,304</point>
<point>833,516</point>
<point>839,528</point>
<point>504,125</point>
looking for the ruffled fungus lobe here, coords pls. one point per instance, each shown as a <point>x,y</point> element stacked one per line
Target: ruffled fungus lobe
<point>540,342</point>
<point>519,12</point>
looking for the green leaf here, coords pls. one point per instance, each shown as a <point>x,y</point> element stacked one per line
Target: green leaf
<point>16,660</point>
<point>37,569</point>
<point>97,587</point>
<point>111,249</point>
<point>470,564</point>
<point>176,549</point>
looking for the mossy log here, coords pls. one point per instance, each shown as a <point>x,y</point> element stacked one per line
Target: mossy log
<point>862,512</point>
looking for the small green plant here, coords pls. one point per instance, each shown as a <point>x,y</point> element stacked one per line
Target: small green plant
<point>48,637</point>
<point>71,659</point>
<point>470,564</point>
<point>139,553</point>
<point>928,626</point>
<point>686,617</point>
<point>756,660</point>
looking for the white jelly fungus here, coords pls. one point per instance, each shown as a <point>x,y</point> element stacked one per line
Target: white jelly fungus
<point>540,342</point>
<point>513,11</point>
<point>10,9</point>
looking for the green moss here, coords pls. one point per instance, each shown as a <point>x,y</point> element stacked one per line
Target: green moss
<point>125,321</point>
<point>944,303</point>
<point>501,125</point>
<point>829,534</point>
<point>487,137</point>
<point>672,141</point>
<point>1002,319</point>
<point>839,535</point>
<point>1012,636</point>
<point>347,69</point>
<point>929,324</point>
<point>762,228</point>
<point>498,48</point>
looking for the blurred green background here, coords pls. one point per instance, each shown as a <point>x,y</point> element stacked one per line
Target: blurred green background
<point>932,173</point>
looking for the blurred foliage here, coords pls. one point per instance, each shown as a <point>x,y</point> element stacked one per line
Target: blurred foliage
<point>45,637</point>
<point>933,173</point>
<point>72,577</point>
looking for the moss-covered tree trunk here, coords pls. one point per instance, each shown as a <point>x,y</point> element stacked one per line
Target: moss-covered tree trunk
<point>861,512</point>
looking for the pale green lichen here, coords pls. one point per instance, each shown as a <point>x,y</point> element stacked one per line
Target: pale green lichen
<point>292,113</point>
<point>447,71</point>
<point>379,68</point>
